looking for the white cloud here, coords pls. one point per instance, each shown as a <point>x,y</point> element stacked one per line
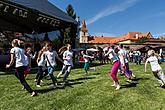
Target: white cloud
<point>103,34</point>
<point>159,34</point>
<point>112,9</point>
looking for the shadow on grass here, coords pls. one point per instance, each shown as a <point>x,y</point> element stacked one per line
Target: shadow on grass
<point>60,86</point>
<point>79,79</point>
<point>137,79</point>
<point>129,85</point>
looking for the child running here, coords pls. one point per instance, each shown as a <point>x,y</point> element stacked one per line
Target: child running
<point>156,68</point>
<point>41,61</point>
<point>115,66</point>
<point>124,62</point>
<point>51,57</point>
<point>68,62</point>
<point>18,55</point>
<point>28,58</point>
<point>87,61</point>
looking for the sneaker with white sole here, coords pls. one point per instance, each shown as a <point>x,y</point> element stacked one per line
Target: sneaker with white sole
<point>38,85</point>
<point>34,94</point>
<point>117,87</point>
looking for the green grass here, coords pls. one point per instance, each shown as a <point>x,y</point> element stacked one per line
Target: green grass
<point>85,92</point>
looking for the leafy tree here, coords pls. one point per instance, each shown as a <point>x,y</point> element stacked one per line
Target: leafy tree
<point>68,35</point>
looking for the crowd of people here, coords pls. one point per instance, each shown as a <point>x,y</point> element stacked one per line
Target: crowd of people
<point>46,60</point>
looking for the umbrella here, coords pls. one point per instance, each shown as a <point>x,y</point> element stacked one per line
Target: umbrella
<point>92,50</point>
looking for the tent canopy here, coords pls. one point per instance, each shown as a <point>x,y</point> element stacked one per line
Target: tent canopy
<point>32,15</point>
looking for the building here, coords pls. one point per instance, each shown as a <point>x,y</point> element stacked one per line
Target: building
<point>131,38</point>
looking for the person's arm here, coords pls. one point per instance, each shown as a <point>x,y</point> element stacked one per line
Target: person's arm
<point>29,60</point>
<point>39,56</point>
<point>33,56</point>
<point>56,55</point>
<point>11,61</point>
<point>109,51</point>
<point>145,67</point>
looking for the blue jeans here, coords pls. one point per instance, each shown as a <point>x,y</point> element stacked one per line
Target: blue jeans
<point>50,72</point>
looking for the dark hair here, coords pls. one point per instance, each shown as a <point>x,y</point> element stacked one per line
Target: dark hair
<point>121,45</point>
<point>112,46</point>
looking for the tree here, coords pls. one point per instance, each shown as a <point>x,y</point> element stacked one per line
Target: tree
<point>68,35</point>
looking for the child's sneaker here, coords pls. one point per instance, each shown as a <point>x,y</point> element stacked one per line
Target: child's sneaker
<point>34,94</point>
<point>113,85</point>
<point>117,87</point>
<point>38,85</point>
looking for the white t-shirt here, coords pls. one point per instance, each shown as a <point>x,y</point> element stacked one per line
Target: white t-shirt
<point>51,57</point>
<point>69,56</point>
<point>112,55</point>
<point>26,60</point>
<point>42,61</point>
<point>19,55</point>
<point>154,63</point>
<point>124,54</point>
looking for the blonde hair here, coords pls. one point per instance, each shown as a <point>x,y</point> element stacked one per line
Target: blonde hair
<point>152,53</point>
<point>15,42</point>
<point>62,50</point>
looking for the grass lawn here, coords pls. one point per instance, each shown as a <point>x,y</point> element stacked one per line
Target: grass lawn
<point>85,92</point>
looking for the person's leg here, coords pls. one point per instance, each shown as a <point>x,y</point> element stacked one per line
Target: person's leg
<point>37,76</point>
<point>161,76</point>
<point>62,71</point>
<point>67,72</point>
<point>22,79</point>
<point>50,71</point>
<point>45,72</point>
<point>113,74</point>
<point>40,75</point>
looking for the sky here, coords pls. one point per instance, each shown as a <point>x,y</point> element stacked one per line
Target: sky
<point>118,17</point>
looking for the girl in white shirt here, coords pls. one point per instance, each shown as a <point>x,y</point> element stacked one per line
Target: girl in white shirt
<point>18,55</point>
<point>124,63</point>
<point>155,67</point>
<point>68,61</point>
<point>51,57</point>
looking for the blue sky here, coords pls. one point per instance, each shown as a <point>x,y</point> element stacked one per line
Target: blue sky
<point>118,17</point>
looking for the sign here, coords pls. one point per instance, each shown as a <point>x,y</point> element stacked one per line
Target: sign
<point>24,13</point>
<point>48,20</point>
<point>14,10</point>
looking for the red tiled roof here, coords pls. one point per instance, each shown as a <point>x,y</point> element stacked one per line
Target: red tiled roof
<point>129,36</point>
<point>100,39</point>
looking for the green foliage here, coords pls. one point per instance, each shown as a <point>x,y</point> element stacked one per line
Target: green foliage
<point>91,91</point>
<point>68,35</point>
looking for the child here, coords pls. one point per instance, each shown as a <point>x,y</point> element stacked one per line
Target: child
<point>68,62</point>
<point>51,57</point>
<point>41,61</point>
<point>28,58</point>
<point>124,63</point>
<point>87,61</point>
<point>18,55</point>
<point>115,66</point>
<point>156,68</point>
